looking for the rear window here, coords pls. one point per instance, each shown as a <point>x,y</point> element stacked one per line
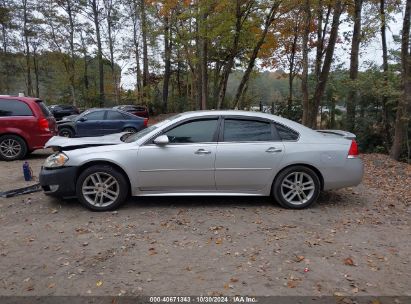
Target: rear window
<point>44,109</point>
<point>14,108</point>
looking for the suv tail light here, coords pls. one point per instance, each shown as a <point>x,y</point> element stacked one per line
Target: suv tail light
<point>145,122</point>
<point>44,124</point>
<point>353,151</point>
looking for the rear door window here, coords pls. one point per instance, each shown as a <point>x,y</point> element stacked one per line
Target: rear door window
<point>96,115</point>
<point>14,108</point>
<point>114,115</point>
<point>236,130</point>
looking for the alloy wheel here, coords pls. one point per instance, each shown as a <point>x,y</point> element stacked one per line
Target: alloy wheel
<point>10,148</point>
<point>297,188</point>
<point>100,189</point>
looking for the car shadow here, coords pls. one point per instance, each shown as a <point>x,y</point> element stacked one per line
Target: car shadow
<point>198,201</point>
<point>326,199</point>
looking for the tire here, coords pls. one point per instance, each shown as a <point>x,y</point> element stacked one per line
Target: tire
<point>66,132</point>
<point>130,130</point>
<point>12,147</point>
<point>296,193</point>
<point>94,179</point>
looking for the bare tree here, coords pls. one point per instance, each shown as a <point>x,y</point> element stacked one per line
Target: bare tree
<point>269,19</point>
<point>325,70</point>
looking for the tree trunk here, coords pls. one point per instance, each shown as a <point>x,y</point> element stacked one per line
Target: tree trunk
<point>108,5</point>
<point>323,77</point>
<point>355,48</point>
<point>72,66</point>
<point>204,62</point>
<point>268,21</point>
<point>167,62</point>
<point>240,15</point>
<point>403,112</point>
<point>385,120</point>
<point>198,74</point>
<point>304,76</point>
<point>99,52</point>
<point>136,45</point>
<point>27,50</point>
<point>291,73</point>
<point>320,42</point>
<point>36,73</point>
<point>145,47</point>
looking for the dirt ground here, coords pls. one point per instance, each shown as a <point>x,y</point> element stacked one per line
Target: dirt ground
<point>354,241</point>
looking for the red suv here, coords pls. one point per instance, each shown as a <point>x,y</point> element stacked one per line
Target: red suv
<point>26,124</point>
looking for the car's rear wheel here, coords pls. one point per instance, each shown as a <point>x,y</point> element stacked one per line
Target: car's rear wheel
<point>296,187</point>
<point>101,188</point>
<point>130,130</point>
<point>66,132</point>
<point>12,147</point>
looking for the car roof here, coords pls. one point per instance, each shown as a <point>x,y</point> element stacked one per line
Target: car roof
<point>25,98</point>
<point>286,122</point>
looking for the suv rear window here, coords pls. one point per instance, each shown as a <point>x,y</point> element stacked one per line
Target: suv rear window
<point>44,109</point>
<point>14,108</point>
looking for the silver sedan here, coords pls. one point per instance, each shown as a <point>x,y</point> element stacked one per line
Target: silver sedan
<point>216,153</point>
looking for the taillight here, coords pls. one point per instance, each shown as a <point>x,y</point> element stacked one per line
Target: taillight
<point>44,124</point>
<point>145,122</point>
<point>353,152</point>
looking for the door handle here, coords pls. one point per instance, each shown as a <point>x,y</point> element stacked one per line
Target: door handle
<point>202,152</point>
<point>273,150</point>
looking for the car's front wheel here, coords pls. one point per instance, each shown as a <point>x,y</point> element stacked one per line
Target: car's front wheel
<point>102,188</point>
<point>296,187</point>
<point>66,132</point>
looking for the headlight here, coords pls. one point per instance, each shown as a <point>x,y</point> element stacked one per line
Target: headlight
<point>56,160</point>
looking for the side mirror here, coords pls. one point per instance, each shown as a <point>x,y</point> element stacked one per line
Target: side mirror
<point>82,119</point>
<point>161,140</point>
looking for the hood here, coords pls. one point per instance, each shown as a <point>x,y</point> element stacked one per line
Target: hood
<point>68,118</point>
<point>64,143</point>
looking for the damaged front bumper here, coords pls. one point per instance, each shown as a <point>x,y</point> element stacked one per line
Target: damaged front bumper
<point>59,182</point>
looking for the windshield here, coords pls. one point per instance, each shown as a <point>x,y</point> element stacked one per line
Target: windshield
<point>144,132</point>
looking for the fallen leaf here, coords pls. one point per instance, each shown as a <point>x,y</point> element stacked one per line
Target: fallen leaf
<point>291,284</point>
<point>218,241</point>
<point>349,262</point>
<point>99,283</point>
<point>234,280</point>
<point>299,258</point>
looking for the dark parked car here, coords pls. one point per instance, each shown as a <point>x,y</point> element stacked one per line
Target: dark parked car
<point>60,111</point>
<point>26,124</point>
<point>141,111</point>
<point>98,122</point>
